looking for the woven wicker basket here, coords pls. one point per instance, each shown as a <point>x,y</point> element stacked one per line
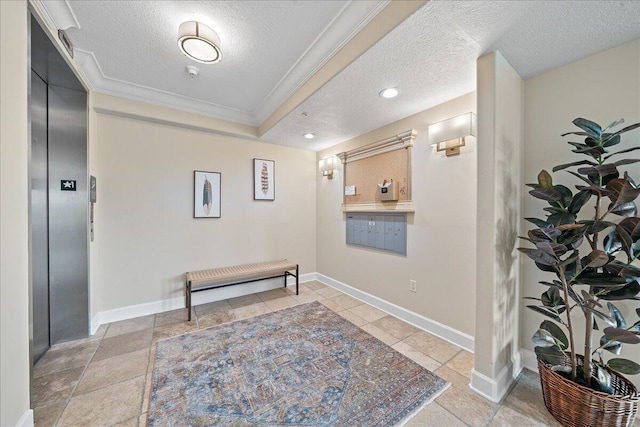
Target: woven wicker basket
<point>575,405</point>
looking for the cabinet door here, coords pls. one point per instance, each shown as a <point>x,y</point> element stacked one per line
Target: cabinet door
<point>389,231</point>
<point>351,222</point>
<point>363,230</point>
<point>371,231</point>
<point>400,234</point>
<point>381,220</point>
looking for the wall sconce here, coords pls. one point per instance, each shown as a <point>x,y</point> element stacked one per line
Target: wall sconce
<point>451,133</point>
<point>327,166</point>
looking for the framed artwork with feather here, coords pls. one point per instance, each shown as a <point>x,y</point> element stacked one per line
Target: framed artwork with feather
<point>206,194</point>
<point>264,179</point>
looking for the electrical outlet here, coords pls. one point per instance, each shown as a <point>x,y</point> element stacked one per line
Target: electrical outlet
<point>412,285</point>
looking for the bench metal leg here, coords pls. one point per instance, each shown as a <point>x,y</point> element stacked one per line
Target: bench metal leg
<point>188,297</point>
<point>297,279</point>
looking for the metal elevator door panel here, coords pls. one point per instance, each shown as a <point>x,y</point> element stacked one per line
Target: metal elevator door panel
<point>68,215</point>
<point>39,218</point>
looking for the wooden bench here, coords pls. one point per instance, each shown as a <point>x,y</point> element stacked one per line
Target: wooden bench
<point>203,280</point>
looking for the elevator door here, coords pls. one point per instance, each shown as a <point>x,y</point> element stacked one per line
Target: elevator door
<point>39,217</point>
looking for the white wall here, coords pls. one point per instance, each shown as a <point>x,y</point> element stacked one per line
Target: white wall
<point>145,232</point>
<point>440,235</point>
<point>602,88</point>
<point>14,258</point>
<point>500,136</point>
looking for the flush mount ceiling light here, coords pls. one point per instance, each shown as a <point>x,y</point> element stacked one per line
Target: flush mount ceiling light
<point>199,42</point>
<point>309,135</point>
<point>390,92</point>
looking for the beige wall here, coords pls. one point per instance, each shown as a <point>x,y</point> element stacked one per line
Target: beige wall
<point>440,235</point>
<point>500,136</point>
<point>601,88</point>
<point>145,233</point>
<point>14,273</point>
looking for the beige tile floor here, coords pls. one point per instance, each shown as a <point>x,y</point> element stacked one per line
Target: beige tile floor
<point>105,380</point>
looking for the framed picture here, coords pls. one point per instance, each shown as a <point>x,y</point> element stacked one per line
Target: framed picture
<point>206,194</point>
<point>264,179</point>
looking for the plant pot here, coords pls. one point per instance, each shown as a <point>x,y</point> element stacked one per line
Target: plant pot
<point>575,405</point>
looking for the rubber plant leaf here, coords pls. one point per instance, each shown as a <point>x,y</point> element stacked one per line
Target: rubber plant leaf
<point>565,193</point>
<point>628,150</point>
<point>551,355</point>
<point>539,256</point>
<point>545,180</point>
<point>626,209</point>
<point>616,314</point>
<point>578,201</point>
<point>556,332</point>
<point>538,222</point>
<point>546,312</point>
<point>614,124</point>
<point>600,170</point>
<point>568,165</point>
<point>621,335</point>
<point>547,194</point>
<point>543,338</point>
<point>627,292</point>
<point>611,346</point>
<point>602,316</point>
<point>622,191</point>
<point>624,366</point>
<point>595,259</point>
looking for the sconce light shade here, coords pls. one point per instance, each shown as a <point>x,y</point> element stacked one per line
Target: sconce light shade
<point>327,166</point>
<point>452,132</point>
<point>199,42</point>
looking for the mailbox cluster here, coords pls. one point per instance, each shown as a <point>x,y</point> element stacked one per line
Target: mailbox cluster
<point>384,231</point>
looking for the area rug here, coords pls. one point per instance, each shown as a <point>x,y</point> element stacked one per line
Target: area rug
<point>301,366</point>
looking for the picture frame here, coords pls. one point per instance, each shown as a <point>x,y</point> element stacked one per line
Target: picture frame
<point>206,194</point>
<point>264,179</point>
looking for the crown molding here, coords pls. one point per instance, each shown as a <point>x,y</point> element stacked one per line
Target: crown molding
<point>90,69</point>
<point>57,13</point>
<point>352,18</point>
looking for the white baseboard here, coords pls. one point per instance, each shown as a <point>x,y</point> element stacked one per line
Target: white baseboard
<point>496,388</point>
<point>26,420</point>
<point>438,329</point>
<point>212,295</point>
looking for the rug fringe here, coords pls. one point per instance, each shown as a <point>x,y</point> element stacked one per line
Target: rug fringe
<point>424,404</point>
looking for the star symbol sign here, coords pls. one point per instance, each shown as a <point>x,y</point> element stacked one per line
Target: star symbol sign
<point>68,184</point>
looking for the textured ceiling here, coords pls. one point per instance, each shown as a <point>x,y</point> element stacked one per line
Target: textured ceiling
<point>271,47</point>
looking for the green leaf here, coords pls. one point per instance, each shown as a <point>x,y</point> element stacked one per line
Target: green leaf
<point>572,258</point>
<point>627,292</point>
<point>604,381</point>
<point>602,316</point>
<point>547,194</point>
<point>631,226</point>
<point>595,259</point>
<point>542,338</point>
<point>539,256</point>
<point>617,315</point>
<point>624,366</point>
<point>578,201</point>
<point>626,209</point>
<point>556,332</point>
<point>551,355</point>
<point>628,150</point>
<point>545,180</point>
<point>552,314</point>
<point>561,218</point>
<point>553,249</point>
<point>626,162</point>
<point>609,140</point>
<point>592,227</point>
<point>613,346</point>
<point>565,195</point>
<point>622,191</point>
<point>552,299</point>
<point>625,240</point>
<point>627,129</point>
<point>567,165</point>
<point>600,170</point>
<point>603,280</point>
<point>538,222</point>
<point>591,128</point>
<point>613,124</point>
<point>621,335</point>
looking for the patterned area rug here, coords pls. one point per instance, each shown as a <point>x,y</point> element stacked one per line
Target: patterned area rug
<point>301,366</point>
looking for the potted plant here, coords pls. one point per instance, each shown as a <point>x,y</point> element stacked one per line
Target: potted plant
<point>589,240</point>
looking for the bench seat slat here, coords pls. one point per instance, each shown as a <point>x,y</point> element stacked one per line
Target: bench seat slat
<point>238,273</point>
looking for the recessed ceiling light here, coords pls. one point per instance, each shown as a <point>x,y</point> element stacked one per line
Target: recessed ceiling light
<point>309,135</point>
<point>390,92</point>
<point>199,42</point>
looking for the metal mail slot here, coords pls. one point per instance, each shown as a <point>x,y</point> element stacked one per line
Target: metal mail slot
<point>382,231</point>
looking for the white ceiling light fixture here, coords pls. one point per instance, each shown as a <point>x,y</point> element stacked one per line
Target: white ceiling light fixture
<point>199,42</point>
<point>309,135</point>
<point>390,92</point>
